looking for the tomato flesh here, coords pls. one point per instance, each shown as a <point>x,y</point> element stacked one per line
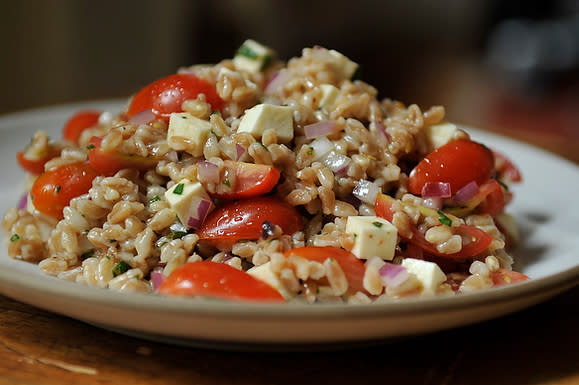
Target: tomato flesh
<point>217,280</point>
<point>458,162</point>
<point>33,166</point>
<point>243,220</point>
<point>107,163</point>
<point>502,277</point>
<point>352,267</point>
<point>251,180</point>
<point>166,95</point>
<point>79,122</point>
<point>53,190</point>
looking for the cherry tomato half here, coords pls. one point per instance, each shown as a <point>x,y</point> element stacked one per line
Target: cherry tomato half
<point>251,180</point>
<point>165,96</point>
<point>243,220</point>
<point>352,267</point>
<point>217,280</point>
<point>79,122</point>
<point>53,190</point>
<point>502,277</point>
<point>109,162</point>
<point>457,162</point>
<point>33,166</point>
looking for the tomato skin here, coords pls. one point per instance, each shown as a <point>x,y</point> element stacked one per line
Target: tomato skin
<point>107,163</point>
<point>217,280</point>
<point>502,277</point>
<point>165,96</point>
<point>352,266</point>
<point>33,166</point>
<point>53,190</point>
<point>506,169</point>
<point>243,220</point>
<point>457,162</point>
<point>251,180</point>
<point>479,240</point>
<point>79,122</point>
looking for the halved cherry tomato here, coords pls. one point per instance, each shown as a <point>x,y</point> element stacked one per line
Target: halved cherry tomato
<point>504,277</point>
<point>79,122</point>
<point>33,166</point>
<point>352,266</point>
<point>475,241</point>
<point>165,96</point>
<point>217,280</point>
<point>53,190</point>
<point>490,199</point>
<point>243,220</point>
<point>457,162</point>
<point>108,162</point>
<point>251,180</point>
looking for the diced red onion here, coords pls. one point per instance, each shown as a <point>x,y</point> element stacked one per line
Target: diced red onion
<point>276,82</point>
<point>173,156</point>
<point>366,191</point>
<point>208,172</point>
<point>323,128</point>
<point>393,275</point>
<point>240,151</point>
<point>198,211</point>
<point>436,190</point>
<point>157,278</point>
<point>381,132</point>
<point>336,162</point>
<point>23,202</point>
<point>433,203</point>
<point>142,117</point>
<point>321,146</point>
<point>466,193</point>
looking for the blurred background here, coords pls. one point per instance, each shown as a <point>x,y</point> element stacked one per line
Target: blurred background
<point>507,66</point>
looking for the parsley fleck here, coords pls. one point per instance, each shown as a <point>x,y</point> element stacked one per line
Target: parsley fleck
<point>58,188</point>
<point>443,218</point>
<point>377,224</point>
<point>14,237</point>
<point>155,199</point>
<point>90,146</point>
<point>227,182</point>
<point>120,268</point>
<point>179,189</point>
<point>503,184</point>
<point>176,235</point>
<point>310,151</point>
<point>247,52</point>
<point>183,117</point>
<point>87,254</point>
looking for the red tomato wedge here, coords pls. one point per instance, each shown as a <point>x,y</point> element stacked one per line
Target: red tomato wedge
<point>53,190</point>
<point>502,277</point>
<point>457,163</point>
<point>251,180</point>
<point>217,280</point>
<point>352,266</point>
<point>475,241</point>
<point>166,95</point>
<point>79,122</point>
<point>33,166</point>
<point>108,162</point>
<point>243,220</point>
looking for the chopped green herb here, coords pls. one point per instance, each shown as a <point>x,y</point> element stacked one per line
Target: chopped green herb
<point>87,254</point>
<point>264,146</point>
<point>443,218</point>
<point>183,116</point>
<point>179,189</point>
<point>503,185</point>
<point>227,182</point>
<point>216,112</point>
<point>90,146</point>
<point>310,151</point>
<point>176,235</point>
<point>154,199</point>
<point>247,52</point>
<point>14,237</point>
<point>120,268</point>
<point>212,133</point>
<point>85,231</point>
<point>355,235</point>
<point>377,224</point>
<point>58,188</point>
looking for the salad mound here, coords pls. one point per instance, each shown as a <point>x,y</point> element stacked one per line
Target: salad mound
<point>257,179</point>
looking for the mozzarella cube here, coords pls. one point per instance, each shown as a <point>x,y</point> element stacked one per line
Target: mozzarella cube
<point>373,237</point>
<point>265,274</point>
<point>438,135</point>
<point>252,57</point>
<point>263,116</point>
<point>343,66</point>
<point>428,273</point>
<point>194,130</point>
<point>329,95</point>
<point>190,201</point>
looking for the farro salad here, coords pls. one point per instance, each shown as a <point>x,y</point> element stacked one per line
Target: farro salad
<point>256,179</point>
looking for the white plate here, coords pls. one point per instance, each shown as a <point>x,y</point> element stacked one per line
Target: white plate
<point>545,208</point>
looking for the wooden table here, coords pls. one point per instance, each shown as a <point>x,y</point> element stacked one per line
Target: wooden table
<point>539,345</point>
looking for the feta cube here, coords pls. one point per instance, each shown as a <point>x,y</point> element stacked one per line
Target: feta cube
<point>252,57</point>
<point>428,273</point>
<point>343,66</point>
<point>329,95</point>
<point>194,130</point>
<point>438,135</point>
<point>265,274</point>
<point>263,116</point>
<point>190,202</point>
<point>373,237</point>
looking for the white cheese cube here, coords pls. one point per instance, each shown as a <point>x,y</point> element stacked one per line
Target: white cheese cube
<point>343,66</point>
<point>263,116</point>
<point>252,57</point>
<point>329,95</point>
<point>428,273</point>
<point>195,131</point>
<point>265,274</point>
<point>373,237</point>
<point>438,135</point>
<point>190,201</point>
